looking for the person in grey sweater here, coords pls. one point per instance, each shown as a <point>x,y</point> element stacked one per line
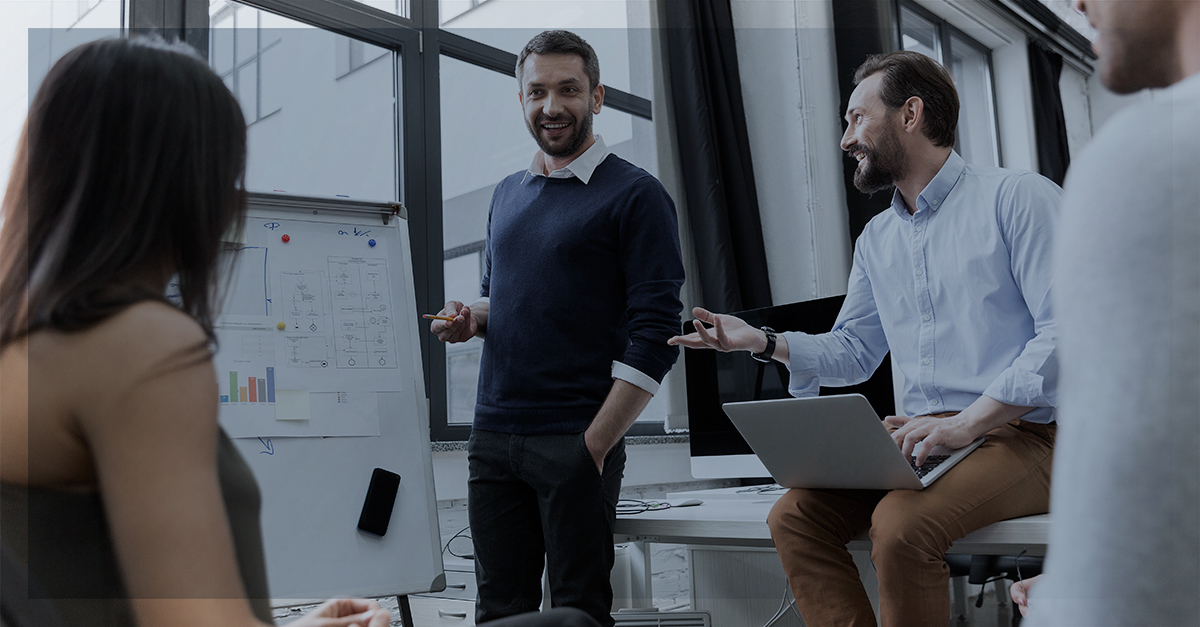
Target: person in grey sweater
<point>1125,536</point>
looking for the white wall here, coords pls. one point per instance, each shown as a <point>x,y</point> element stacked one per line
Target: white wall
<point>787,65</point>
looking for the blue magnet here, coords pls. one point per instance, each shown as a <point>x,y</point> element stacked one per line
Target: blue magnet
<point>371,243</point>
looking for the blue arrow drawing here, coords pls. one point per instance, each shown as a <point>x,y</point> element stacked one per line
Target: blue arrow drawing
<point>270,447</point>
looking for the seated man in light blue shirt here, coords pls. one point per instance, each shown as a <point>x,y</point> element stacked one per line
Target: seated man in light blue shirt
<point>954,280</point>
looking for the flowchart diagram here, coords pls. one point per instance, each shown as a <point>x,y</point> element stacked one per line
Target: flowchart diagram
<point>363,336</point>
<point>304,301</point>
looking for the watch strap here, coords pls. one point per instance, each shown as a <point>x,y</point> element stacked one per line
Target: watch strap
<point>765,356</point>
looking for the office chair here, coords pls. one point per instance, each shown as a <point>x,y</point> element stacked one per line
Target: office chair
<point>983,569</point>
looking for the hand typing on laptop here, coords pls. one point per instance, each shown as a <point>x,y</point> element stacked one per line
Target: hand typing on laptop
<point>917,436</point>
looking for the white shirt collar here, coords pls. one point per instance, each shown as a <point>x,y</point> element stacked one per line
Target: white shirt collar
<point>581,168</point>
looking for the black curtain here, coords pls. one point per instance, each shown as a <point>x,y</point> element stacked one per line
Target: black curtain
<point>1054,154</point>
<point>714,153</point>
<point>861,28</point>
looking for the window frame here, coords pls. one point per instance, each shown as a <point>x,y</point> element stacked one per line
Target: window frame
<point>419,43</point>
<point>236,66</point>
<point>489,57</point>
<point>946,30</point>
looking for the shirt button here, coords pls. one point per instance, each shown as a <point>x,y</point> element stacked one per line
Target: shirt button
<point>925,361</point>
<point>935,203</point>
<point>925,317</point>
<point>919,229</point>
<point>920,272</point>
<point>933,402</point>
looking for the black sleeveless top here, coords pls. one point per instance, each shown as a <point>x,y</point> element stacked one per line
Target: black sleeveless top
<point>63,538</point>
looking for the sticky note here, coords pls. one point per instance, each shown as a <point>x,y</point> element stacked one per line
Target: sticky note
<point>292,405</point>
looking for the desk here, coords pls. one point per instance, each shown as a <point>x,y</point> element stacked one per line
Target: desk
<point>736,522</point>
<point>728,519</point>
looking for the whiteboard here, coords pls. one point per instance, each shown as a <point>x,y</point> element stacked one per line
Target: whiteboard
<point>313,483</point>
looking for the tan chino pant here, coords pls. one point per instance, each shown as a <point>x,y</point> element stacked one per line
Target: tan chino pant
<point>1008,476</point>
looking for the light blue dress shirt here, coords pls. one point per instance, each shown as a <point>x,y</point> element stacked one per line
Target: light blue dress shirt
<point>959,292</point>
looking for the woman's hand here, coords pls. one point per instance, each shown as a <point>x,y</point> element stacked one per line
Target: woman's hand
<point>345,613</point>
<point>1020,593</point>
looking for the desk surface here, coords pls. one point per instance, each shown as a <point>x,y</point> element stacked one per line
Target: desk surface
<point>743,522</point>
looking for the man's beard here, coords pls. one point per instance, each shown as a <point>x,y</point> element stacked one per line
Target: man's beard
<point>583,130</point>
<point>886,162</point>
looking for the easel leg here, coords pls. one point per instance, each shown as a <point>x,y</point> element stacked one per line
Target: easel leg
<point>406,618</point>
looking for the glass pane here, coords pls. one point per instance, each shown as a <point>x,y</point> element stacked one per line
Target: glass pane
<point>312,129</point>
<point>619,30</point>
<point>395,7</point>
<point>245,44</point>
<point>484,139</point>
<point>976,117</point>
<point>33,36</point>
<point>220,44</point>
<point>919,34</point>
<point>247,89</point>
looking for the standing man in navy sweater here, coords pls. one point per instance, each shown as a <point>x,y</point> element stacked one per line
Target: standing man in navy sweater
<point>580,294</point>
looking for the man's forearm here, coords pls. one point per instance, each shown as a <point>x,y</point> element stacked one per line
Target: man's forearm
<point>623,405</point>
<point>987,413</point>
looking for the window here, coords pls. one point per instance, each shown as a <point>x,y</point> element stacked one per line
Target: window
<point>321,107</point>
<point>619,30</point>
<point>484,139</point>
<point>353,54</point>
<point>84,7</point>
<point>33,36</point>
<point>395,7</point>
<point>340,100</point>
<point>970,63</point>
<point>237,47</point>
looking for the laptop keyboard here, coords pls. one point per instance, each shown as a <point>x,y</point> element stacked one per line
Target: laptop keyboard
<point>931,462</point>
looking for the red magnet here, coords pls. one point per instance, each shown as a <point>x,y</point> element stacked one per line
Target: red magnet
<point>286,239</point>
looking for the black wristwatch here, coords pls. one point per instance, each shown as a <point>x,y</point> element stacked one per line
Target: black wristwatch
<point>765,356</point>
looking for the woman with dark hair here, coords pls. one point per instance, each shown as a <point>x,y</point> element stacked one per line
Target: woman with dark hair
<point>121,495</point>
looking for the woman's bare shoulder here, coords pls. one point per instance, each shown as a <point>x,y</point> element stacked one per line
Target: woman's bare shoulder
<point>142,339</point>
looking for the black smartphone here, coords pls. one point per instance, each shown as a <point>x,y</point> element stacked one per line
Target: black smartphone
<point>381,497</point>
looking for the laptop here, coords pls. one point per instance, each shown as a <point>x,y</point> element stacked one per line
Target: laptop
<point>833,442</point>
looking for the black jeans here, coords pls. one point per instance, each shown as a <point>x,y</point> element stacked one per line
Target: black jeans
<point>540,496</point>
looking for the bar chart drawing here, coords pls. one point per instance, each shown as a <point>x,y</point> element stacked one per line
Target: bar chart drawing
<point>244,387</point>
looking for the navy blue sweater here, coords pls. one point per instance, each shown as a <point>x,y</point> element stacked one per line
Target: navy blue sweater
<point>578,275</point>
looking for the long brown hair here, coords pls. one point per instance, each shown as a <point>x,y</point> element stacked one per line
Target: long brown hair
<point>129,169</point>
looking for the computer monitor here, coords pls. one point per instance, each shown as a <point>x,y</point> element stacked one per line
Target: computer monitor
<point>714,378</point>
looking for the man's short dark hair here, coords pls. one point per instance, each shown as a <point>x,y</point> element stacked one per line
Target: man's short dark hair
<point>907,74</point>
<point>561,42</point>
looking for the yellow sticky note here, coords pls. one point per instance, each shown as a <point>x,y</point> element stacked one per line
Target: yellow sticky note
<point>292,405</point>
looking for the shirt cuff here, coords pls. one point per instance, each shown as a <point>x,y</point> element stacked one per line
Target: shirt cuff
<point>632,375</point>
<point>484,299</point>
<point>804,380</point>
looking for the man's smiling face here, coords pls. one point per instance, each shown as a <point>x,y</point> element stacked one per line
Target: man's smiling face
<point>872,138</point>
<point>559,103</point>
